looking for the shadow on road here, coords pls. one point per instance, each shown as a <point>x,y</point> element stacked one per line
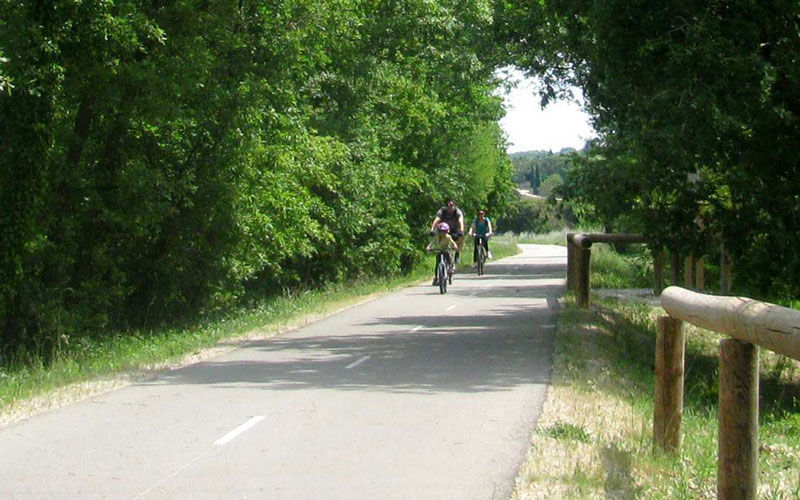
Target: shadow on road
<point>490,352</point>
<point>504,346</point>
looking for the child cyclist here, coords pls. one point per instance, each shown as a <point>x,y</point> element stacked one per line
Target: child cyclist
<point>442,241</point>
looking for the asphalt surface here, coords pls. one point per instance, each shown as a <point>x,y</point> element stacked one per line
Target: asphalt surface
<point>415,395</point>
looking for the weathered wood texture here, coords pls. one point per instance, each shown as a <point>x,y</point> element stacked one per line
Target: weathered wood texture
<point>583,264</point>
<point>771,326</point>
<point>586,240</point>
<point>737,476</point>
<point>668,397</point>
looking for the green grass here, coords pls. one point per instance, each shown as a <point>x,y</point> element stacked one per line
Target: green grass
<point>558,237</point>
<point>561,430</point>
<point>632,269</point>
<point>85,360</point>
<point>607,354</point>
<point>595,433</point>
<point>610,269</point>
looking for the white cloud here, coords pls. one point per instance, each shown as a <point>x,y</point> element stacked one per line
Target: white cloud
<point>529,127</point>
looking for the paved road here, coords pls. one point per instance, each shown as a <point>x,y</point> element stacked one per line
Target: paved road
<point>415,395</point>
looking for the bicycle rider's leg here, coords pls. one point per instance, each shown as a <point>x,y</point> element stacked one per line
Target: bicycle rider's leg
<point>475,249</point>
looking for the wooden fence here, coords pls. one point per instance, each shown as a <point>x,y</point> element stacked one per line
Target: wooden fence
<point>579,255</point>
<point>750,324</point>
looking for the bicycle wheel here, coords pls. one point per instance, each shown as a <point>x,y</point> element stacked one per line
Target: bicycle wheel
<point>481,259</point>
<point>441,274</point>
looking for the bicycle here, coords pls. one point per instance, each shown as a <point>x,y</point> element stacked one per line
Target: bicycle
<point>443,274</point>
<point>481,260</point>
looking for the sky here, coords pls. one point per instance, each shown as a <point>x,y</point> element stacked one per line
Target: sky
<point>529,127</point>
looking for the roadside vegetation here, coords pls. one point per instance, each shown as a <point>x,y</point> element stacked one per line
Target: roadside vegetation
<point>167,161</point>
<point>78,369</point>
<point>698,132</point>
<point>594,438</point>
<point>541,172</point>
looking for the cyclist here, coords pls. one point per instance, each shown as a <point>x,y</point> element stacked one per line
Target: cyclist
<point>454,217</point>
<point>481,226</point>
<point>442,242</point>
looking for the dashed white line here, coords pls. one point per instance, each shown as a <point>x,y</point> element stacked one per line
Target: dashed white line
<point>356,363</point>
<point>232,434</point>
<point>416,329</point>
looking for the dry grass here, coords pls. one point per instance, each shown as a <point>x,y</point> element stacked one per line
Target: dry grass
<point>575,451</point>
<point>594,437</point>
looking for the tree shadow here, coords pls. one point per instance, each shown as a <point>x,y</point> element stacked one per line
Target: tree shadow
<point>619,483</point>
<point>506,348</point>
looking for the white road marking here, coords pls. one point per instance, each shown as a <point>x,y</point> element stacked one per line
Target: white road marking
<point>416,328</point>
<point>232,434</point>
<point>450,307</point>
<point>356,363</point>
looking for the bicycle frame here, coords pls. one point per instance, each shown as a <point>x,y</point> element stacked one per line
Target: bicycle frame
<point>442,271</point>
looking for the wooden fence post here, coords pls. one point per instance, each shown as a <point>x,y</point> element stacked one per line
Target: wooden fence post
<point>737,477</point>
<point>668,396</point>
<point>658,271</point>
<point>582,271</point>
<point>570,262</point>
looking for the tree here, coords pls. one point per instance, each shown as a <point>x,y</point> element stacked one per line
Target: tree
<point>164,159</point>
<point>676,89</point>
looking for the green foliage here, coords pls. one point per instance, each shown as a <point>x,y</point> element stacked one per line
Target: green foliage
<point>536,215</point>
<point>631,269</point>
<point>695,104</point>
<point>536,166</point>
<point>164,160</point>
<point>550,185</point>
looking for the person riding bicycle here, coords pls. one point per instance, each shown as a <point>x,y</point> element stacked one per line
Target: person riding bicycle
<point>454,217</point>
<point>442,242</point>
<point>481,226</point>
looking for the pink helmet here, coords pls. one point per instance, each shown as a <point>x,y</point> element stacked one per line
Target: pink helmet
<point>444,227</point>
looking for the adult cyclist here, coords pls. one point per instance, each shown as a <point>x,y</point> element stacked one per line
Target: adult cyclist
<point>481,226</point>
<point>454,217</point>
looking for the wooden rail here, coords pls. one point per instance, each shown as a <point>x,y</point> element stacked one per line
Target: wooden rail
<point>579,255</point>
<point>751,324</point>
